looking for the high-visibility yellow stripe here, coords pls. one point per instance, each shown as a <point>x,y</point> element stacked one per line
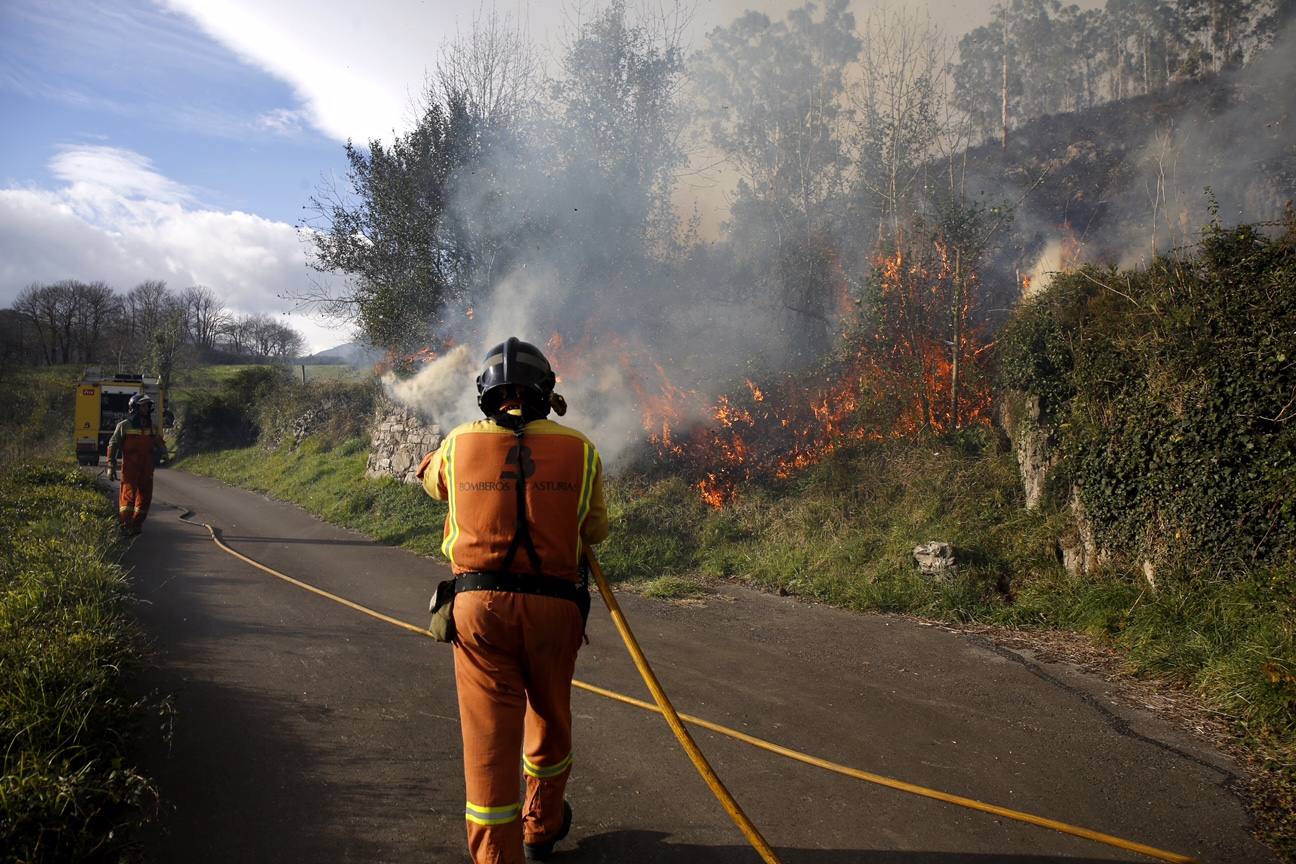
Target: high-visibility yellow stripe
<point>587,489</point>
<point>543,772</point>
<point>480,815</point>
<point>447,545</point>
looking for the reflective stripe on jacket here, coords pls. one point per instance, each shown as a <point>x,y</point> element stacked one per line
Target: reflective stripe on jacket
<point>476,469</point>
<point>138,447</point>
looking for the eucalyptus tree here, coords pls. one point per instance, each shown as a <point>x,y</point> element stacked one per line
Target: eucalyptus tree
<point>772,97</point>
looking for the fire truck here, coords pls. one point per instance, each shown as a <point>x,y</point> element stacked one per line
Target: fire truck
<point>101,402</point>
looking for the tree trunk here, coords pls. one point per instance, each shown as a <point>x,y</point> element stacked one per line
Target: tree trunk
<point>957,311</point>
<point>1004,91</point>
<point>1147,81</point>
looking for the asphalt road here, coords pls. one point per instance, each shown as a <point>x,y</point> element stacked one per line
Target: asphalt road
<point>307,732</point>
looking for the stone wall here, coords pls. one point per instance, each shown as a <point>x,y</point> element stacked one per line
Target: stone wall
<point>401,438</point>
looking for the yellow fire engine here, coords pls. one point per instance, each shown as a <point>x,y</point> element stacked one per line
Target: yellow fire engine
<point>101,404</point>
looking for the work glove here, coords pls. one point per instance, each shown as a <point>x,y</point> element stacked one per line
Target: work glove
<point>112,472</point>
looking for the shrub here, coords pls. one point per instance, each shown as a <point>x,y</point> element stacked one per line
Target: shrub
<point>1171,388</point>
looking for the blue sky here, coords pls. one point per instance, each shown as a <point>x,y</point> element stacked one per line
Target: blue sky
<point>129,75</point>
<point>180,139</point>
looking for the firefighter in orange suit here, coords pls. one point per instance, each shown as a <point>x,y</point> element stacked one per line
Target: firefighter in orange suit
<point>139,443</point>
<point>525,496</point>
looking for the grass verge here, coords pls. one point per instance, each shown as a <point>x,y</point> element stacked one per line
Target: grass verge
<point>67,789</point>
<point>328,480</point>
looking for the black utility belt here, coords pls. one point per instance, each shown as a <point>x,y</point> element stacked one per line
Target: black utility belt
<point>545,586</point>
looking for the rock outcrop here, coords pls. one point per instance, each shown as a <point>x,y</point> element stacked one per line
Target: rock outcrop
<point>1032,444</point>
<point>1037,456</point>
<point>400,440</point>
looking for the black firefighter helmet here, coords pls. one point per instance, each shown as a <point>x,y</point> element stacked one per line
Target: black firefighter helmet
<point>140,403</point>
<point>520,370</point>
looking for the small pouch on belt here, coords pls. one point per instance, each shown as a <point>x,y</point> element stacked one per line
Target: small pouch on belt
<point>442,608</point>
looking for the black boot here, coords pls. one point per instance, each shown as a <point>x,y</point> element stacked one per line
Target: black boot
<point>542,851</point>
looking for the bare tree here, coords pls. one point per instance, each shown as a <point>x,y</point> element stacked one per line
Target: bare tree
<point>901,108</point>
<point>205,315</point>
<point>286,342</point>
<point>167,341</point>
<point>95,306</point>
<point>52,309</point>
<point>493,68</point>
<point>237,334</point>
<point>146,308</point>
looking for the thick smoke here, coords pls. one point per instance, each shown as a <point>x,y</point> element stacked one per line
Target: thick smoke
<point>576,255</point>
<point>442,390</point>
<point>1142,177</point>
<point>564,260</point>
<point>601,394</point>
<point>1244,155</point>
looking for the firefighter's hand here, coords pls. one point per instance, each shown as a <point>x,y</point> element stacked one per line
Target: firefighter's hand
<point>112,472</point>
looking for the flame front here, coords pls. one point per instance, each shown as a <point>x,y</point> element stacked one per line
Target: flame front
<point>773,429</point>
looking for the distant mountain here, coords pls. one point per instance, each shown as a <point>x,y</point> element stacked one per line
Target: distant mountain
<point>350,353</point>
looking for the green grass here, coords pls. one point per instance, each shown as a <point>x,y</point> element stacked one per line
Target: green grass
<point>214,375</point>
<point>844,532</point>
<point>68,791</point>
<point>329,481</point>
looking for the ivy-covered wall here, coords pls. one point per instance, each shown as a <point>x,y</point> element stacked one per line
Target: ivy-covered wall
<point>1170,394</point>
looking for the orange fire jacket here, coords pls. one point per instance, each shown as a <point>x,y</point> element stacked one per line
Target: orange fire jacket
<point>138,447</point>
<point>476,469</point>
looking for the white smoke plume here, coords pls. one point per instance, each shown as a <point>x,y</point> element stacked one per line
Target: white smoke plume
<point>443,390</point>
<point>602,400</point>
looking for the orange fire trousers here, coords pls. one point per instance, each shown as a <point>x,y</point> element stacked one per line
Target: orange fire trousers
<point>135,496</point>
<point>515,655</point>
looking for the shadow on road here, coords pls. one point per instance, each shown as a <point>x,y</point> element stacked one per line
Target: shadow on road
<point>634,847</point>
<point>255,770</point>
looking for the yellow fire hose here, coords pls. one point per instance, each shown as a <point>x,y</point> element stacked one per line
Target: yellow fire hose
<point>679,719</point>
<point>673,719</point>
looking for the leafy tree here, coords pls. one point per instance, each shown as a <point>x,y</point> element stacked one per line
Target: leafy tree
<point>772,97</point>
<point>618,133</point>
<point>387,233</point>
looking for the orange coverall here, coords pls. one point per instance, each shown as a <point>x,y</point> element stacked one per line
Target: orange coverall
<point>515,653</point>
<point>138,447</point>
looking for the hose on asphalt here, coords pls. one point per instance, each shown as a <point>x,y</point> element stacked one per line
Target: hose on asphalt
<point>769,746</point>
<point>718,789</point>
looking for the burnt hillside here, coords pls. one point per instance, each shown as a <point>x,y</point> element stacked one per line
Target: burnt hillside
<point>1117,180</point>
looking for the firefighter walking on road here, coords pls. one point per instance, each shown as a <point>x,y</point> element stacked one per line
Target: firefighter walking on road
<point>525,495</point>
<point>139,444</point>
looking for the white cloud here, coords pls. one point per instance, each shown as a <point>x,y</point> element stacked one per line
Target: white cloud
<point>98,172</point>
<point>118,220</point>
<point>355,68</point>
<point>282,121</point>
